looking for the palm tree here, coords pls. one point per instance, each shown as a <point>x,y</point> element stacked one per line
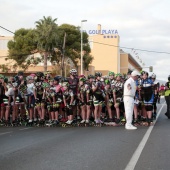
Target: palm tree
<point>46,36</point>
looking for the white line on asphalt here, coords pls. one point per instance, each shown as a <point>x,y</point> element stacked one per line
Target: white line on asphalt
<point>25,128</point>
<point>133,161</point>
<point>5,133</point>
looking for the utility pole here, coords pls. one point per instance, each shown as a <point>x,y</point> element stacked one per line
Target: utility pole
<point>63,55</point>
<point>81,70</point>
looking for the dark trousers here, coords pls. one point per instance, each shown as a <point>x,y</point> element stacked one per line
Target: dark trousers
<point>167,98</point>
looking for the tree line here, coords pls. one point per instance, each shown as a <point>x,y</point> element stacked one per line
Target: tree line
<point>53,42</point>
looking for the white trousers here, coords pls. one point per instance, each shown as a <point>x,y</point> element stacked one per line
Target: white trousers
<point>129,106</point>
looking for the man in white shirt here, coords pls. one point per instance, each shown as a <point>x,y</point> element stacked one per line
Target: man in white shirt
<point>129,93</point>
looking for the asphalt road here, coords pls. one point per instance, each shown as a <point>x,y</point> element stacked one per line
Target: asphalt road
<point>87,148</point>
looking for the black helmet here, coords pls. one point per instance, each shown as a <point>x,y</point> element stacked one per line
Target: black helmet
<point>145,72</point>
<point>90,76</point>
<point>57,78</point>
<point>129,72</point>
<point>98,74</point>
<point>16,78</point>
<point>39,74</point>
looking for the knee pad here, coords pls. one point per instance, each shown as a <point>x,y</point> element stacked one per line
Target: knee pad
<point>149,108</point>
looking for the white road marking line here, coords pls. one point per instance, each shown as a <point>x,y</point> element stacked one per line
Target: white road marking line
<point>25,128</point>
<point>135,157</point>
<point>5,133</point>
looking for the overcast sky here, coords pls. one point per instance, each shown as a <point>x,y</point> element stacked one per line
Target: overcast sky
<point>141,24</point>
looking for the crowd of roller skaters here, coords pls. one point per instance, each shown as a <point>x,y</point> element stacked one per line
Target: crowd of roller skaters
<point>40,99</point>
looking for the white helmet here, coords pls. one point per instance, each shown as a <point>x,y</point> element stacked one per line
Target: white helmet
<point>29,78</point>
<point>73,71</point>
<point>153,76</point>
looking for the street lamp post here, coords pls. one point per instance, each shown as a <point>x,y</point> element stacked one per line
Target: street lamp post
<point>82,45</point>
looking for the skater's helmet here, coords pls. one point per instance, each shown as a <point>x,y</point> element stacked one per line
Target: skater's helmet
<point>153,76</point>
<point>90,76</point>
<point>98,74</point>
<point>107,82</point>
<point>111,73</point>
